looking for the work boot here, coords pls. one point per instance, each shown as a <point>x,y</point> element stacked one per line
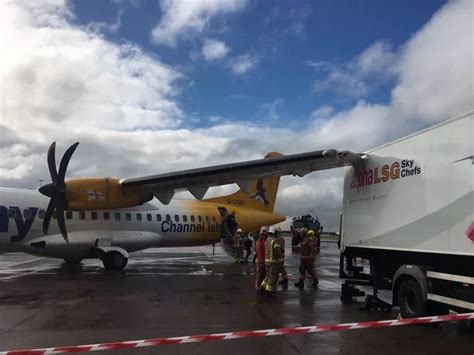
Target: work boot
<point>270,294</point>
<point>315,284</point>
<point>300,284</point>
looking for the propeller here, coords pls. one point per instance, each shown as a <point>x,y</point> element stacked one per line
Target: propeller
<point>56,190</point>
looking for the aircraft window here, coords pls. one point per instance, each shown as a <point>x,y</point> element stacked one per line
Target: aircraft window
<point>94,215</point>
<point>55,215</point>
<point>176,218</point>
<point>158,217</point>
<point>148,217</point>
<point>69,214</point>
<point>214,219</point>
<point>207,219</point>
<point>82,215</point>
<point>117,216</point>
<point>168,217</point>
<point>185,218</point>
<point>11,213</point>
<point>27,213</point>
<point>106,216</point>
<point>139,216</point>
<point>128,216</point>
<point>41,214</point>
<point>200,218</point>
<point>192,219</point>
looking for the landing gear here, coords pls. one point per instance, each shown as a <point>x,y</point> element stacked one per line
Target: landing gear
<point>113,260</point>
<point>73,261</point>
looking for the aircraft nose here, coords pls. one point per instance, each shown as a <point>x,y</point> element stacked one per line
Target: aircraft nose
<point>47,190</point>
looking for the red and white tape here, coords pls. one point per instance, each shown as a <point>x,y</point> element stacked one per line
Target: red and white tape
<point>132,344</point>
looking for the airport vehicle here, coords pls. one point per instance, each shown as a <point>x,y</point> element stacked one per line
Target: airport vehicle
<point>306,221</point>
<point>108,218</point>
<point>409,210</point>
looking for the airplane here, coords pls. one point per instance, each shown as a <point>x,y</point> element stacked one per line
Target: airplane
<point>108,218</point>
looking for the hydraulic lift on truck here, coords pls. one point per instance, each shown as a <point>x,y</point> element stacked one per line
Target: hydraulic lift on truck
<point>408,210</point>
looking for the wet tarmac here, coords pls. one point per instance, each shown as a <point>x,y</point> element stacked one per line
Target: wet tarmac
<point>185,291</point>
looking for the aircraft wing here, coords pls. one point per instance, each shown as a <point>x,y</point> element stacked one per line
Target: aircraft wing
<point>197,181</point>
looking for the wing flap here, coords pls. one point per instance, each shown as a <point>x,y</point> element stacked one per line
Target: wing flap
<point>197,181</point>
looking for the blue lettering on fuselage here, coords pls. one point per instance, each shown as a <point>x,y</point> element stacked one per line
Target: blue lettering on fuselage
<point>23,225</point>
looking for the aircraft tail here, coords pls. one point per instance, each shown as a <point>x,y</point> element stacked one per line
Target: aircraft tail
<point>259,194</point>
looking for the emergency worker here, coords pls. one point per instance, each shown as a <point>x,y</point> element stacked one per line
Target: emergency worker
<point>247,242</point>
<point>282,270</point>
<point>272,263</point>
<point>308,255</point>
<point>260,270</point>
<point>238,247</point>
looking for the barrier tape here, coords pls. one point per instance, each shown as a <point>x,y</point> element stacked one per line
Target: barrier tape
<point>238,335</point>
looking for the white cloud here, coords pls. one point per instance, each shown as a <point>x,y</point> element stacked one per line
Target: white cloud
<point>244,63</point>
<point>214,50</point>
<point>62,82</point>
<point>271,110</point>
<point>322,113</point>
<point>355,79</point>
<point>436,75</point>
<point>187,18</point>
<point>101,27</point>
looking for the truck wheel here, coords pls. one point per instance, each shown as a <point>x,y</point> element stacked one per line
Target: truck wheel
<point>410,299</point>
<point>113,260</point>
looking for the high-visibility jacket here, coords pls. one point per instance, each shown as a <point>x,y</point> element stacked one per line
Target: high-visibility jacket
<point>237,240</point>
<point>260,250</point>
<point>308,248</point>
<point>281,240</point>
<point>272,251</point>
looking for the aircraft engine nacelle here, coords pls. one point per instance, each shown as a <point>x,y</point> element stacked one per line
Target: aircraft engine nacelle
<point>102,194</point>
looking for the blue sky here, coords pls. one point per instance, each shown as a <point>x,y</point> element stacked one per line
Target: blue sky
<point>285,36</point>
<point>166,85</point>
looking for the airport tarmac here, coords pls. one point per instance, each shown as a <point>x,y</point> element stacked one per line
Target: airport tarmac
<point>185,291</point>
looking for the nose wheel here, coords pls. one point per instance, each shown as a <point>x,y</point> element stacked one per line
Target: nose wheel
<point>113,260</point>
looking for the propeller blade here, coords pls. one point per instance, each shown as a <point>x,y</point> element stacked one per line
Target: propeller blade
<point>62,224</point>
<point>47,216</point>
<point>65,162</point>
<point>52,162</point>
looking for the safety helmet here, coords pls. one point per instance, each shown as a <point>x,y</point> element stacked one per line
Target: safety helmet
<point>311,232</point>
<point>239,230</point>
<point>264,229</point>
<point>272,230</point>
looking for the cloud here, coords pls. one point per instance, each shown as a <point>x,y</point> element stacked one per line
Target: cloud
<point>63,82</point>
<point>101,27</point>
<point>244,63</point>
<point>271,110</point>
<point>355,79</point>
<point>184,18</point>
<point>214,50</point>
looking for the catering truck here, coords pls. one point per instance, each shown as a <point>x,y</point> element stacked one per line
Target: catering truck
<point>408,211</point>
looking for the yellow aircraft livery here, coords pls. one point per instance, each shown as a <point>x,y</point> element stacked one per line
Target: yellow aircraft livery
<point>107,218</point>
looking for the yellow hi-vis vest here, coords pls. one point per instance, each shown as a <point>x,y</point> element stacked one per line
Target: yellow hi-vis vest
<point>272,251</point>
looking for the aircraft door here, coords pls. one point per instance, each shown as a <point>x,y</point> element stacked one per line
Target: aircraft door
<point>229,226</point>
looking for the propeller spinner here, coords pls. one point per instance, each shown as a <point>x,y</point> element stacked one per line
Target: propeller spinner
<point>56,190</point>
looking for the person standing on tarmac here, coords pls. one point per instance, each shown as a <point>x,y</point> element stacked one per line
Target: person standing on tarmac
<point>282,270</point>
<point>247,241</point>
<point>238,247</point>
<point>272,263</point>
<point>308,255</point>
<point>260,270</point>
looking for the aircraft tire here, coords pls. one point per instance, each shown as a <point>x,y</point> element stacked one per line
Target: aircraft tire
<point>113,260</point>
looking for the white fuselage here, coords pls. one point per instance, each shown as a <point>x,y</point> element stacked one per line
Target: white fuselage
<point>150,225</point>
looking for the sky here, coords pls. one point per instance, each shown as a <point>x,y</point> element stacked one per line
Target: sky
<point>150,86</point>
